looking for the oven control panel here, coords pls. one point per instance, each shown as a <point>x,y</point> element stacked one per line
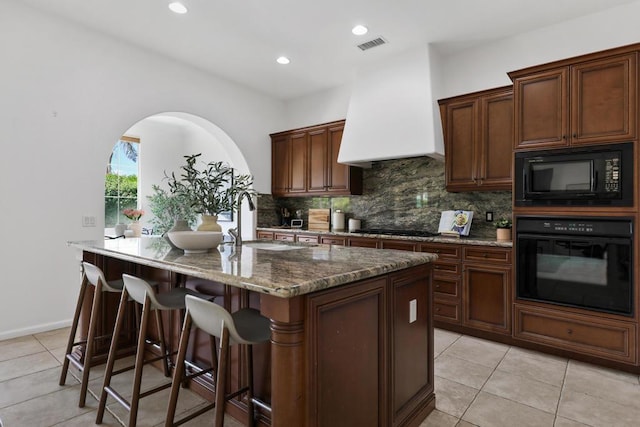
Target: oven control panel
<point>612,174</point>
<point>622,227</point>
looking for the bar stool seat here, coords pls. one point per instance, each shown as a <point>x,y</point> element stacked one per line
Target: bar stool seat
<point>246,327</point>
<point>141,292</point>
<point>91,276</point>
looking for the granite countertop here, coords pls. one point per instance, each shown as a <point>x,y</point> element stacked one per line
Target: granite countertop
<point>482,241</point>
<point>275,268</point>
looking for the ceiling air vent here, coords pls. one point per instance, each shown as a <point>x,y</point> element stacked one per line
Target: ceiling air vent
<point>372,43</point>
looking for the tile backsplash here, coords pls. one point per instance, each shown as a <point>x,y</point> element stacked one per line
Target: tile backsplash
<point>403,193</point>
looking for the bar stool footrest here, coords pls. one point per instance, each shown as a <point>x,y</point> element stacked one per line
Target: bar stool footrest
<point>194,415</point>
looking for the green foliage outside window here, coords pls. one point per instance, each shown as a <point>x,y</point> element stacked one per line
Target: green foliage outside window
<point>120,192</point>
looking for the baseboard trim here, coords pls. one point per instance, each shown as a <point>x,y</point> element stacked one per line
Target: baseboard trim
<point>36,329</point>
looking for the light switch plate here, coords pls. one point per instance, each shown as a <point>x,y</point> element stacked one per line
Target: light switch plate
<point>413,310</point>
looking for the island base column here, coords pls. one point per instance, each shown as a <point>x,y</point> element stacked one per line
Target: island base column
<point>288,392</point>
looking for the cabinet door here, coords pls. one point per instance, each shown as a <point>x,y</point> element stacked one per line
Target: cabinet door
<point>486,297</point>
<point>318,165</point>
<point>603,100</point>
<point>460,145</point>
<point>298,165</point>
<point>348,350</point>
<point>496,141</point>
<point>541,115</point>
<point>280,161</point>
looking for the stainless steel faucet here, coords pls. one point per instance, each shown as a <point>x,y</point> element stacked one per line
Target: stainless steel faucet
<point>236,233</point>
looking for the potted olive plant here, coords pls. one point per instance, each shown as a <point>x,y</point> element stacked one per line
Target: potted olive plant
<point>210,190</point>
<point>503,230</point>
<point>171,211</point>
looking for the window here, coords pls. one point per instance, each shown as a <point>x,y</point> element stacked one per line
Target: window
<point>121,183</point>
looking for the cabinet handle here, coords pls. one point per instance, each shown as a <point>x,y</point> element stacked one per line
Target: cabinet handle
<point>438,309</point>
<point>569,331</point>
<point>437,286</point>
<point>564,136</point>
<point>484,255</point>
<point>575,135</point>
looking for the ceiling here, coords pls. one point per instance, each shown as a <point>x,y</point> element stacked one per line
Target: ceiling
<point>240,39</point>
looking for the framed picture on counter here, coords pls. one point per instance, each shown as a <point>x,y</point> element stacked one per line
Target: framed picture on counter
<point>457,221</point>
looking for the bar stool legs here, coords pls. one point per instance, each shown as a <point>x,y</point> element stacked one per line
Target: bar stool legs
<point>245,327</point>
<point>91,276</point>
<point>142,293</point>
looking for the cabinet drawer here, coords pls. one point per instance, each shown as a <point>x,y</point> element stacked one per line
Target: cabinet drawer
<point>402,245</point>
<point>306,239</point>
<point>446,268</point>
<point>609,339</point>
<point>444,251</point>
<point>284,237</point>
<point>363,242</point>
<point>264,235</point>
<point>487,254</point>
<point>447,311</point>
<point>444,285</point>
<point>332,240</point>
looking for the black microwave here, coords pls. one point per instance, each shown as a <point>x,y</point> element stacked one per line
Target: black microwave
<point>586,176</point>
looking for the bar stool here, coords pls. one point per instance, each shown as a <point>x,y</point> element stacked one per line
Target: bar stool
<point>142,293</point>
<point>91,276</point>
<point>246,326</point>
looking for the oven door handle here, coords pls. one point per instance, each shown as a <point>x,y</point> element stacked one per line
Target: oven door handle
<point>580,238</point>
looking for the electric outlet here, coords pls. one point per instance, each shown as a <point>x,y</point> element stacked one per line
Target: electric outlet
<point>489,216</point>
<point>413,310</point>
<point>88,221</point>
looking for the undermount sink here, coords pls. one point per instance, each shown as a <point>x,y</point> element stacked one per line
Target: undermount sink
<point>272,246</point>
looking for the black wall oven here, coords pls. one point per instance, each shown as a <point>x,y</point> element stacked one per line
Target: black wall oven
<point>577,262</point>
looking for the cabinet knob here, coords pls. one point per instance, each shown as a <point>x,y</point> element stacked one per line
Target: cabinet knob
<point>575,135</point>
<point>569,331</point>
<point>438,309</point>
<point>437,286</point>
<point>564,136</point>
<point>485,255</point>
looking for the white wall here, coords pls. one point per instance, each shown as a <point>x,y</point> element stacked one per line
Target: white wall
<point>67,95</point>
<point>320,107</point>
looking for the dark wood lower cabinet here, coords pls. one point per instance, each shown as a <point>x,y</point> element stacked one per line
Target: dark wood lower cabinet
<point>486,297</point>
<point>367,349</point>
<point>606,338</point>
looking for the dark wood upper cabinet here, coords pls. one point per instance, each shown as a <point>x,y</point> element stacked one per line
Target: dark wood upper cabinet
<point>311,163</point>
<point>478,135</point>
<point>585,100</point>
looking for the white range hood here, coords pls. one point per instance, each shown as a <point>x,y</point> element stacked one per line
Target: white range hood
<point>392,112</point>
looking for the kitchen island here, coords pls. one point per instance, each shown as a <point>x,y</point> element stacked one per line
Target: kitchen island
<point>351,328</point>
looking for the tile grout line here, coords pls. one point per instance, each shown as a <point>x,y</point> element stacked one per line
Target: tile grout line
<point>483,384</point>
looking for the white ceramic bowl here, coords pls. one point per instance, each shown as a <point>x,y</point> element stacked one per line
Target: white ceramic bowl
<point>193,242</point>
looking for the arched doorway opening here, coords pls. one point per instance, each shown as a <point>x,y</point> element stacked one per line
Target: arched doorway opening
<point>164,140</point>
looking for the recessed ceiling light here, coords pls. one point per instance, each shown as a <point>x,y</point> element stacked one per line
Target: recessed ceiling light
<point>178,7</point>
<point>283,60</point>
<point>359,30</point>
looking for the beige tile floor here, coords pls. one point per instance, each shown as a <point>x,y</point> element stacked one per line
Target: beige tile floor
<point>478,383</point>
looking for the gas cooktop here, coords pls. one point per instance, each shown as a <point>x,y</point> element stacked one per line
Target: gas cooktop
<point>392,232</point>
